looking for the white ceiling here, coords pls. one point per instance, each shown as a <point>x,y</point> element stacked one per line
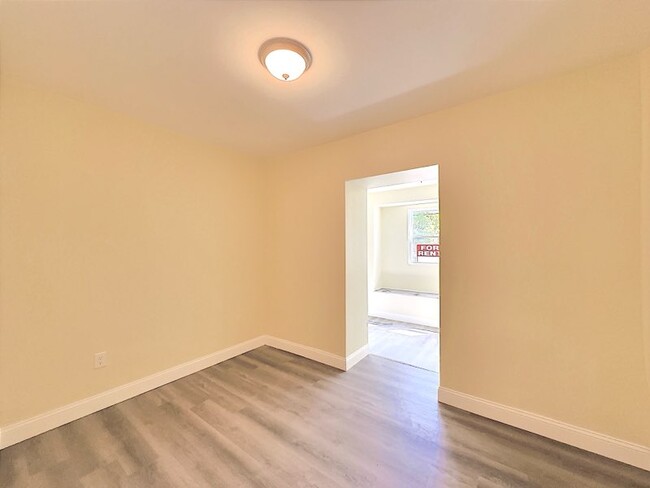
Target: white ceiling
<point>192,65</point>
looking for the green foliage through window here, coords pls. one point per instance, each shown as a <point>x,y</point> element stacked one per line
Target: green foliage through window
<point>426,223</point>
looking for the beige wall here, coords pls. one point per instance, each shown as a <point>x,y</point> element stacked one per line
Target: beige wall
<point>116,236</point>
<point>530,180</point>
<point>645,206</point>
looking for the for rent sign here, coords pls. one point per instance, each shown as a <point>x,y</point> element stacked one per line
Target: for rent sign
<point>428,251</point>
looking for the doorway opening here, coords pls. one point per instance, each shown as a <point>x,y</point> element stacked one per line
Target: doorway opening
<point>393,227</point>
<point>403,277</point>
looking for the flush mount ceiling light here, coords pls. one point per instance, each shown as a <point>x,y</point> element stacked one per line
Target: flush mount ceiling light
<point>285,58</point>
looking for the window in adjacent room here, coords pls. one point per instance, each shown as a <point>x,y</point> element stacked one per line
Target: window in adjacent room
<point>424,235</point>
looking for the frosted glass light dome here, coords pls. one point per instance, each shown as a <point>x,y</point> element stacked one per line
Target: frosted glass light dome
<point>285,65</point>
<point>284,58</point>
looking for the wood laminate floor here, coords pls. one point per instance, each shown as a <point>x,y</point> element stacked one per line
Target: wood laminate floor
<point>412,344</point>
<point>272,419</point>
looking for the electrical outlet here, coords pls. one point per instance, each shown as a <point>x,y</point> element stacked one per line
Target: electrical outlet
<point>101,359</point>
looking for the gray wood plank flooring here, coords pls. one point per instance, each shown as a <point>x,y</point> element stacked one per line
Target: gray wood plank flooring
<point>412,344</point>
<point>272,419</point>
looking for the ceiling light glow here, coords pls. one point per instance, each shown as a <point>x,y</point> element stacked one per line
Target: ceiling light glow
<point>284,58</point>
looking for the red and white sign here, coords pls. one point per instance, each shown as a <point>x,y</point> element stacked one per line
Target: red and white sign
<point>428,251</point>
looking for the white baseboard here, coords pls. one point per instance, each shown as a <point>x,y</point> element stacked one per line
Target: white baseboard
<point>31,427</point>
<point>20,431</point>
<point>411,319</point>
<point>308,352</point>
<point>355,357</point>
<point>626,452</point>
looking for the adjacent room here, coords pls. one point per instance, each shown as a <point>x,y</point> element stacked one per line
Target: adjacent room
<point>325,244</point>
<point>403,273</point>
